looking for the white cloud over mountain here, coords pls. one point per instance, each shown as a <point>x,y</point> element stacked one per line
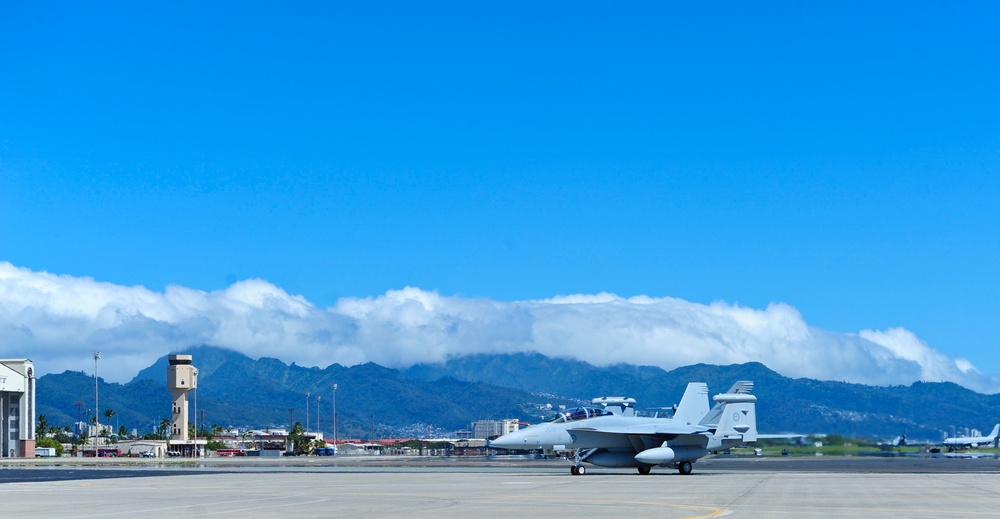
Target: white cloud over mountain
<point>57,320</point>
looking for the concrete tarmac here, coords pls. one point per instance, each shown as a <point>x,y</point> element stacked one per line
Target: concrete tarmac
<point>432,488</point>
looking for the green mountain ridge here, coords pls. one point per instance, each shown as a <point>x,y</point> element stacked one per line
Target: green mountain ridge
<point>235,390</point>
<point>923,410</point>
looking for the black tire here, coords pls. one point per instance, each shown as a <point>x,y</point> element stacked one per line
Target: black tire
<point>684,467</point>
<point>644,470</point>
<point>572,470</point>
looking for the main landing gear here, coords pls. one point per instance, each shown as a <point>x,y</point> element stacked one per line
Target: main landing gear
<point>684,468</point>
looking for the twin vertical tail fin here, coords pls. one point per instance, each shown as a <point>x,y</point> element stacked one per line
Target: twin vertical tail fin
<point>734,415</point>
<point>694,403</point>
<point>739,417</point>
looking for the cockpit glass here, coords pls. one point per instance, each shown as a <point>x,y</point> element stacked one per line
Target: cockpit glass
<point>579,413</point>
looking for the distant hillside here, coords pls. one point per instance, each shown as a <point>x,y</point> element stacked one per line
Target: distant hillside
<point>235,390</point>
<point>239,391</point>
<point>922,410</point>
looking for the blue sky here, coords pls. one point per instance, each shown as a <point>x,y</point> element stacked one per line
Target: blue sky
<point>838,158</point>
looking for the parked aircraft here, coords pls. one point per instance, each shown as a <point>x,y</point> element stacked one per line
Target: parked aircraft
<point>972,441</point>
<point>612,436</point>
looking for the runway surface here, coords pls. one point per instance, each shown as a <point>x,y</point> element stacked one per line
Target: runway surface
<point>433,487</point>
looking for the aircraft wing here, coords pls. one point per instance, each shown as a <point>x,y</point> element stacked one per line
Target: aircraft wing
<point>779,436</point>
<point>675,429</point>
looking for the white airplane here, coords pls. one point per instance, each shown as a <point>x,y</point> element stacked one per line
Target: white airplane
<point>972,441</point>
<point>612,436</point>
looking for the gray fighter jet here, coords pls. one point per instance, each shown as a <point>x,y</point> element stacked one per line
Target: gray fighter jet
<point>608,434</point>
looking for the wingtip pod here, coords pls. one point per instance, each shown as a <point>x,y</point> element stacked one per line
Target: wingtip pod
<point>734,398</point>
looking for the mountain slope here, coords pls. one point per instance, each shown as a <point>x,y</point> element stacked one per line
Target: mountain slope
<point>235,390</point>
<point>923,410</point>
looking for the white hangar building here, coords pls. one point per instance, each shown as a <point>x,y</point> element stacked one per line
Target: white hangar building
<point>17,408</point>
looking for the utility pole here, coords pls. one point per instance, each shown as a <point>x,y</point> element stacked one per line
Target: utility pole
<point>79,407</point>
<point>195,420</point>
<point>335,417</point>
<point>97,407</point>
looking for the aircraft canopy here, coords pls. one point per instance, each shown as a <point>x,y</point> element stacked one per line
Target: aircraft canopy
<point>579,413</point>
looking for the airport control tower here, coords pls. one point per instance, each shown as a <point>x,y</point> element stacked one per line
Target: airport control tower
<point>181,378</point>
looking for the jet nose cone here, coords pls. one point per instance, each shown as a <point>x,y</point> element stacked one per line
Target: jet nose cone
<point>515,440</point>
<point>501,442</point>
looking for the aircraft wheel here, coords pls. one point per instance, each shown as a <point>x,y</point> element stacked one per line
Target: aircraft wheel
<point>581,470</point>
<point>684,468</point>
<point>644,470</point>
<point>572,470</point>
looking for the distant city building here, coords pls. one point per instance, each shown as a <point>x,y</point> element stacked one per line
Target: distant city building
<point>491,428</point>
<point>17,408</point>
<point>91,430</point>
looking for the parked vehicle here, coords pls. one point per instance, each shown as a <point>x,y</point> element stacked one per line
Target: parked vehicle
<point>325,451</point>
<point>104,453</point>
<point>45,452</point>
<point>228,453</point>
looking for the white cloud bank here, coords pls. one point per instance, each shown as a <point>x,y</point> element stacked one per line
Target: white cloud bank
<point>57,320</point>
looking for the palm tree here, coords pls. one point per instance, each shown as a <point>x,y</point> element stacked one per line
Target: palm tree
<point>43,425</point>
<point>108,413</point>
<point>297,436</point>
<point>164,428</point>
<point>81,439</point>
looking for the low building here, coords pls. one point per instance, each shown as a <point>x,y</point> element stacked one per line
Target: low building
<point>469,448</point>
<point>17,408</point>
<point>143,448</point>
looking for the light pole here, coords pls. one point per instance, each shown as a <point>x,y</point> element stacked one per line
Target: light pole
<point>97,407</point>
<point>196,415</point>
<point>335,418</point>
<point>79,409</point>
<point>319,424</point>
<point>307,411</point>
